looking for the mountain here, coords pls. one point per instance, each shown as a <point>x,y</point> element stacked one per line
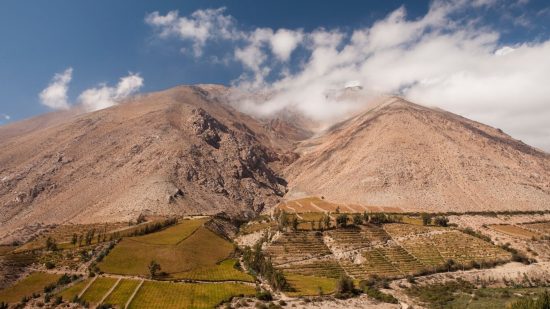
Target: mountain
<point>400,154</point>
<point>187,151</point>
<point>178,151</point>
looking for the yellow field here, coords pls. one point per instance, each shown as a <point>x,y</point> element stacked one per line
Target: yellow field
<point>315,204</point>
<point>224,271</point>
<point>96,291</point>
<point>161,295</point>
<point>514,231</point>
<point>310,285</point>
<point>33,283</point>
<point>122,293</point>
<point>73,290</point>
<point>172,235</point>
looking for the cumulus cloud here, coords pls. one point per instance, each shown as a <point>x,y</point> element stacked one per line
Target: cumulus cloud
<point>198,28</point>
<point>55,95</point>
<point>445,58</point>
<point>105,96</point>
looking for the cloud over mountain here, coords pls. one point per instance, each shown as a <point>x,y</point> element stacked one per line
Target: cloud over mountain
<point>446,58</point>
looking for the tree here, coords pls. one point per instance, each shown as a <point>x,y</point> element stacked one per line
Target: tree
<point>365,217</point>
<point>357,219</point>
<point>295,224</point>
<point>51,244</point>
<point>74,239</point>
<point>342,220</point>
<point>154,268</point>
<point>441,221</point>
<point>282,220</point>
<point>327,220</point>
<point>345,286</point>
<point>337,210</point>
<point>426,219</point>
<point>320,224</point>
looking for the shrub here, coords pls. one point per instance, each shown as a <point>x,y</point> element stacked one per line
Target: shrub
<point>380,296</point>
<point>342,220</point>
<point>345,287</point>
<point>441,221</point>
<point>264,295</point>
<point>49,265</point>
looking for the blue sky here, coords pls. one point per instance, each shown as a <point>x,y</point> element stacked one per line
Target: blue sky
<point>103,41</point>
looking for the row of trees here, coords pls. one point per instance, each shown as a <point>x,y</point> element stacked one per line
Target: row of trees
<point>256,261</point>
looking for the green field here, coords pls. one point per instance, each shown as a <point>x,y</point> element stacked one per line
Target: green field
<point>155,294</point>
<point>224,271</point>
<point>97,290</point>
<point>310,285</point>
<point>122,293</point>
<point>33,283</point>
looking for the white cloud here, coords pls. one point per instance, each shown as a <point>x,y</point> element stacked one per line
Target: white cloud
<point>198,28</point>
<point>55,95</point>
<point>104,96</point>
<point>4,117</point>
<point>445,58</point>
<point>283,42</point>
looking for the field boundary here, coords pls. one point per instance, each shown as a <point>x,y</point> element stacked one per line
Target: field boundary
<point>86,287</point>
<point>133,294</point>
<point>109,292</point>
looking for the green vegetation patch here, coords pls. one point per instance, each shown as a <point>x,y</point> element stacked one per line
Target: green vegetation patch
<point>310,285</point>
<point>98,289</point>
<point>122,293</point>
<point>33,283</point>
<point>172,235</point>
<point>224,271</point>
<point>157,294</point>
<point>203,248</point>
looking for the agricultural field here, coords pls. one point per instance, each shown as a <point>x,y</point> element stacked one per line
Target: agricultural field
<point>74,290</point>
<point>223,271</point>
<point>296,246</point>
<point>310,285</point>
<point>392,251</point>
<point>514,231</point>
<point>98,289</point>
<point>155,294</point>
<point>316,204</point>
<point>201,248</point>
<point>538,227</point>
<point>122,293</point>
<point>33,283</point>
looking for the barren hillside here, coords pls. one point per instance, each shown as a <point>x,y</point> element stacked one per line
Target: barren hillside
<point>178,151</point>
<point>405,155</point>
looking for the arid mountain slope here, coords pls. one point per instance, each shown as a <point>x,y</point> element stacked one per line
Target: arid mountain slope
<point>405,155</point>
<point>178,151</point>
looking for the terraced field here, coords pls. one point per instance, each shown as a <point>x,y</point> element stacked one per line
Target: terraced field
<point>70,292</point>
<point>316,204</point>
<point>310,285</point>
<point>179,250</point>
<point>463,248</point>
<point>350,238</point>
<point>33,283</point>
<point>328,268</point>
<point>514,231</point>
<point>395,250</point>
<point>539,227</point>
<point>296,246</point>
